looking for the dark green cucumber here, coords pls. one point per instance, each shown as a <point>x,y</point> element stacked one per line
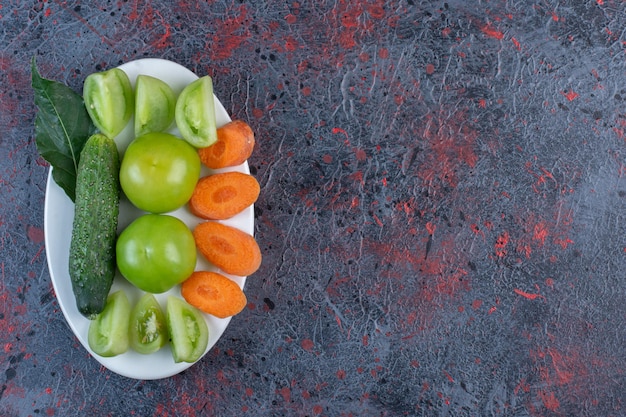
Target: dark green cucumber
<point>92,248</point>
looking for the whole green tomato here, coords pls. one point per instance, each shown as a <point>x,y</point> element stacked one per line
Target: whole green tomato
<point>156,252</point>
<point>159,172</point>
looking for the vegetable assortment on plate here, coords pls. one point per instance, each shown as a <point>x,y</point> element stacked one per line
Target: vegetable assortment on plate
<point>158,173</point>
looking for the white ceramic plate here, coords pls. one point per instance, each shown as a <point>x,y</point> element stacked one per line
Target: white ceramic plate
<point>58,218</point>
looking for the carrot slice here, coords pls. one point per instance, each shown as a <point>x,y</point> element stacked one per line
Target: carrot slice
<point>228,248</point>
<point>235,143</point>
<point>213,293</point>
<point>221,196</point>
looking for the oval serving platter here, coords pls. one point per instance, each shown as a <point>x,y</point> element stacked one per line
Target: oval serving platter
<point>59,215</point>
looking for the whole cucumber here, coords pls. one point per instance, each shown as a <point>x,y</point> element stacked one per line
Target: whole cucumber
<point>96,209</point>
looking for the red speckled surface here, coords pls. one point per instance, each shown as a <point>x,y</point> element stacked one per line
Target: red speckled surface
<point>442,213</point>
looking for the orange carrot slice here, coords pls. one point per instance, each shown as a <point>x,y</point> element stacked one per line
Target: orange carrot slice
<point>213,293</point>
<point>221,196</point>
<point>235,143</point>
<point>228,248</point>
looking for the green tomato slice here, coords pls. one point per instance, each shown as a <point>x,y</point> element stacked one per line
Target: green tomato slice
<point>195,113</point>
<point>108,332</point>
<point>155,103</point>
<point>147,329</point>
<point>189,333</point>
<point>109,100</point>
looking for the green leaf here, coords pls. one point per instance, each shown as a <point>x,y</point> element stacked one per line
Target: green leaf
<point>62,127</point>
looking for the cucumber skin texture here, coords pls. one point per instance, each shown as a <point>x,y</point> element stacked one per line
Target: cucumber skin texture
<point>94,230</point>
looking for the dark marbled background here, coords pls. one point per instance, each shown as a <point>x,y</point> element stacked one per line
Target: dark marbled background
<point>442,213</point>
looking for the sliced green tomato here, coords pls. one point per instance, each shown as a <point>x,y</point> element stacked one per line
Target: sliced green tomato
<point>195,113</point>
<point>189,333</point>
<point>147,329</point>
<point>109,100</point>
<point>108,332</point>
<point>155,103</point>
